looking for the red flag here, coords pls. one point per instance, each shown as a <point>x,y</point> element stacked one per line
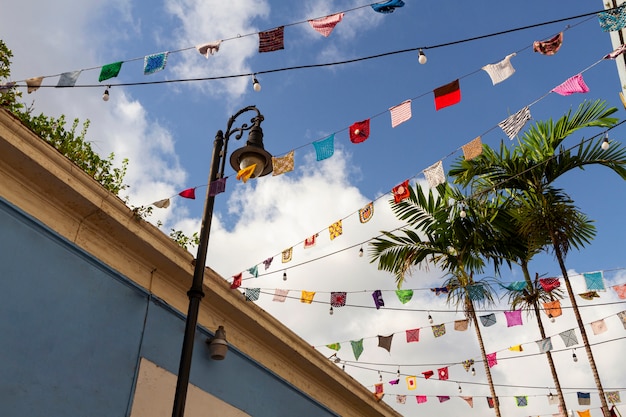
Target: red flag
<point>359,131</point>
<point>443,373</point>
<point>188,193</point>
<point>272,40</point>
<point>428,374</point>
<point>447,95</point>
<point>236,281</point>
<point>549,284</point>
<point>401,191</point>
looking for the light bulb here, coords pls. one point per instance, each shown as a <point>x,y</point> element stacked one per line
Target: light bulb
<point>422,57</point>
<point>460,389</point>
<point>285,276</point>
<point>550,395</point>
<point>473,371</point>
<point>398,374</point>
<point>430,318</point>
<point>331,312</point>
<point>463,214</point>
<point>552,319</point>
<point>361,252</point>
<point>343,367</point>
<point>380,377</point>
<point>574,357</point>
<point>255,85</point>
<point>105,96</point>
<point>251,159</point>
<point>605,143</point>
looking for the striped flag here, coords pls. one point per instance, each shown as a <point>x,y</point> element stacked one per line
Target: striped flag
<point>515,122</point>
<point>400,113</point>
<point>272,40</point>
<point>325,25</point>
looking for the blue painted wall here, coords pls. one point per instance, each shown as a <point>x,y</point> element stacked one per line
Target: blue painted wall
<point>72,330</point>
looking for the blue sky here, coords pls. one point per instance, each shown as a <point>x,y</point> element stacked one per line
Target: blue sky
<point>166,131</point>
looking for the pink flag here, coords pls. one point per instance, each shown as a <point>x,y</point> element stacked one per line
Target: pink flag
<point>572,85</point>
<point>491,359</point>
<point>513,318</point>
<point>325,25</point>
<point>421,399</point>
<point>400,113</point>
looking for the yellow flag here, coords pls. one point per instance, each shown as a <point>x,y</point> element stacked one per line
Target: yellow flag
<point>585,413</point>
<point>335,229</point>
<point>516,348</point>
<point>245,174</point>
<point>307,297</point>
<point>411,382</point>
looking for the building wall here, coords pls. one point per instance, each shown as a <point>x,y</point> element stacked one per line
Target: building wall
<point>88,291</point>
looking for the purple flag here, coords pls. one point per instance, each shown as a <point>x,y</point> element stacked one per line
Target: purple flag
<point>378,299</point>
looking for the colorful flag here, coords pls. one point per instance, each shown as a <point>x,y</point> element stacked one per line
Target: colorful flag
<point>110,71</point>
<point>616,52</point>
<point>68,79</point>
<point>325,148</point>
<point>584,413</point>
<point>404,295</point>
<point>360,131</point>
<point>516,286</point>
<point>443,398</point>
<point>252,294</point>
<point>439,290</point>
<point>400,113</point>
<point>338,298</point>
<point>154,63</point>
<point>439,329</point>
<point>622,317</point>
<point>548,284</point>
<point>594,281</point>
<point>282,164</point>
<point>421,399</point>
<point>385,342</point>
<point>413,335</point>
<point>401,191</point>
<point>490,402</point>
<point>218,186</point>
<point>428,374</point>
<point>443,373</point>
<point>614,19</point>
<point>435,175</point>
<point>461,325</point>
<point>246,173</point>
<point>411,382</point>
<point>589,295</point>
<point>500,71</point>
<point>401,399</point>
<point>516,348</point>
<point>366,213</point>
<point>388,6</point>
<point>272,40</point>
<point>254,271</point>
<point>620,290</point>
<point>310,241</point>
<point>188,193</point>
<point>307,297</point>
<point>334,346</point>
<point>447,95</point>
<point>513,124</point>
<point>394,382</point>
<point>513,318</point>
<point>236,281</point>
<point>549,47</point>
<point>472,149</point>
<point>335,230</point>
<point>553,308</point>
<point>357,348</point>
<point>280,295</point>
<point>521,400</point>
<point>584,398</point>
<point>286,255</point>
<point>469,401</point>
<point>613,397</point>
<point>572,85</point>
<point>268,262</point>
<point>325,25</point>
<point>492,360</point>
<point>467,364</point>
<point>377,295</point>
<point>209,48</point>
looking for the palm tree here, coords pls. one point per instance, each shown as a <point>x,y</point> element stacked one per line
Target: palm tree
<point>528,174</point>
<point>460,244</point>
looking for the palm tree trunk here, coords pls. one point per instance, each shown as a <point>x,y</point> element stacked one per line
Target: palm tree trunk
<point>542,332</point>
<point>472,314</point>
<point>581,327</point>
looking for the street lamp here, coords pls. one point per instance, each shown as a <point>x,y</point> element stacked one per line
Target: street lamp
<point>252,153</point>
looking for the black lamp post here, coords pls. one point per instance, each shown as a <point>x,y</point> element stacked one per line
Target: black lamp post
<point>252,153</point>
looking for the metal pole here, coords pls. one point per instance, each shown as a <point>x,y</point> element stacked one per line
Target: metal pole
<point>195,293</point>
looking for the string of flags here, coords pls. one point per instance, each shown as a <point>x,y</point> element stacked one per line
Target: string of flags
<point>268,41</point>
<point>273,40</point>
<point>359,131</point>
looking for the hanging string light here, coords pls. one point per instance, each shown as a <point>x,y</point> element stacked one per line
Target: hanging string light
<point>285,276</point>
<point>361,252</point>
<point>574,357</point>
<point>605,143</point>
<point>256,86</point>
<point>421,57</point>
<point>430,318</point>
<point>105,96</point>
